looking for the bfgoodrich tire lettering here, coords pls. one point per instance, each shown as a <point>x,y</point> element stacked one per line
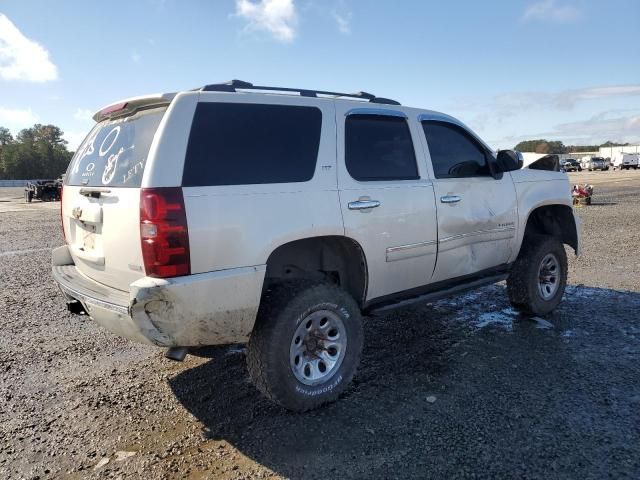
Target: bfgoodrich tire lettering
<point>523,284</point>
<point>285,310</point>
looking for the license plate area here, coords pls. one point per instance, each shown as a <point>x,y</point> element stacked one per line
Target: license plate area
<point>87,237</point>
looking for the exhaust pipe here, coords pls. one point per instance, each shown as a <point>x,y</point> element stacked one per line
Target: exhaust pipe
<point>176,353</point>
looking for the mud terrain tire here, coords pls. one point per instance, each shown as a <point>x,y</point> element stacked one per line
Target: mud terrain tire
<point>523,284</point>
<point>286,310</point>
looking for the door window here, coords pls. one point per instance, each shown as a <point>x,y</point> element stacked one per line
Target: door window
<point>379,147</point>
<point>454,153</point>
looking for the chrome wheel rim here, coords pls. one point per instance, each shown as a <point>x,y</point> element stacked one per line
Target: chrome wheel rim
<point>548,276</point>
<point>318,347</point>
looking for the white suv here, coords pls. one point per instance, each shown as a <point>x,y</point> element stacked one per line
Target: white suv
<point>278,217</point>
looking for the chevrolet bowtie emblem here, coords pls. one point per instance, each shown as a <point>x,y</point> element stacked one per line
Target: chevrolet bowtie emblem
<point>76,212</point>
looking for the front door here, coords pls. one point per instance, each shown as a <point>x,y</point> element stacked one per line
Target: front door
<point>476,212</point>
<point>387,201</point>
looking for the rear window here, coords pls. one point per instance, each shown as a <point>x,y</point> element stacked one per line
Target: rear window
<point>115,151</point>
<point>244,144</point>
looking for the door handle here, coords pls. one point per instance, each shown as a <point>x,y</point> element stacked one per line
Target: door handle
<point>363,204</point>
<point>450,199</point>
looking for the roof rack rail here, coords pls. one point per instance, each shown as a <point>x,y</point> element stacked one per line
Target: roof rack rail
<point>234,85</point>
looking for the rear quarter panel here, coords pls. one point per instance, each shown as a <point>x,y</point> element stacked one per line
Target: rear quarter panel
<point>240,225</point>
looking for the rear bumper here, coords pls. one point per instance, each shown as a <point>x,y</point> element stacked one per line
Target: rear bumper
<point>202,309</point>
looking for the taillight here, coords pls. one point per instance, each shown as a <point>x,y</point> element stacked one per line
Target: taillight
<point>64,235</point>
<point>163,232</point>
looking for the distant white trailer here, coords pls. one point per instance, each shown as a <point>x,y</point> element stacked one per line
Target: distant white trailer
<point>625,161</point>
<point>610,152</point>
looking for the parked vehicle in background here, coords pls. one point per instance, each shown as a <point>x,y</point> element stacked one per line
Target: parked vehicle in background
<point>625,161</point>
<point>594,163</point>
<point>278,217</point>
<point>45,190</point>
<point>571,165</point>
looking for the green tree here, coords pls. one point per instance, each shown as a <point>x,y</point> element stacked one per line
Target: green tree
<point>36,152</point>
<point>5,137</point>
<point>609,143</point>
<point>541,146</point>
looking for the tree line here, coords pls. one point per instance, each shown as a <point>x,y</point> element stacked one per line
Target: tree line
<point>554,146</point>
<point>36,152</point>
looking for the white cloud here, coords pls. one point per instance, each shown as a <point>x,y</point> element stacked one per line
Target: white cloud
<point>22,58</point>
<point>595,130</point>
<point>513,103</point>
<point>135,56</point>
<point>507,118</point>
<point>277,17</point>
<point>567,99</point>
<point>83,114</point>
<point>344,22</point>
<point>550,10</point>
<point>16,118</point>
<point>598,129</point>
<point>74,138</point>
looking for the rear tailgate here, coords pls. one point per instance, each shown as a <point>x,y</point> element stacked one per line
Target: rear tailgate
<point>101,199</point>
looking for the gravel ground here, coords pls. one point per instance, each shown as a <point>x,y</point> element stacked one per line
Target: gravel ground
<point>463,388</point>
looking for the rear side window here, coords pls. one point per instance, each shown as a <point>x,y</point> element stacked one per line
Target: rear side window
<point>454,154</point>
<point>115,151</point>
<point>243,144</point>
<point>379,147</point>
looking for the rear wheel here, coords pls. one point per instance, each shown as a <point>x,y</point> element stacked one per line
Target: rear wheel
<point>306,344</point>
<point>538,277</point>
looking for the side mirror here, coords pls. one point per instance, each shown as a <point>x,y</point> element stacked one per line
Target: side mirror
<point>509,160</point>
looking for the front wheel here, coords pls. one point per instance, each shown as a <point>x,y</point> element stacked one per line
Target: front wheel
<point>306,344</point>
<point>538,277</point>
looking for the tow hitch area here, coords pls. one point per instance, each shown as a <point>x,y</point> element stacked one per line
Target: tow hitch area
<point>76,307</point>
<point>176,353</point>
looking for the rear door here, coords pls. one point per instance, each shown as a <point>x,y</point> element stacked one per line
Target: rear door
<point>476,212</point>
<point>101,198</point>
<point>386,198</point>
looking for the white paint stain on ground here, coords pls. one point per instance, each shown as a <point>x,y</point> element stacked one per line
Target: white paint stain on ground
<point>501,319</point>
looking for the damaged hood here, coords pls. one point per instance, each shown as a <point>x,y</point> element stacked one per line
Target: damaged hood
<point>541,161</point>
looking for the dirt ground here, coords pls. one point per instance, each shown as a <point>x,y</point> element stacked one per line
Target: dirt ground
<point>463,388</point>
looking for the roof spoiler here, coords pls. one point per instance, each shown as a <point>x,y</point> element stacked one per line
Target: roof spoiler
<point>131,105</point>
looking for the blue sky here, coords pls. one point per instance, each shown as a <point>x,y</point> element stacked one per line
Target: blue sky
<point>511,69</point>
